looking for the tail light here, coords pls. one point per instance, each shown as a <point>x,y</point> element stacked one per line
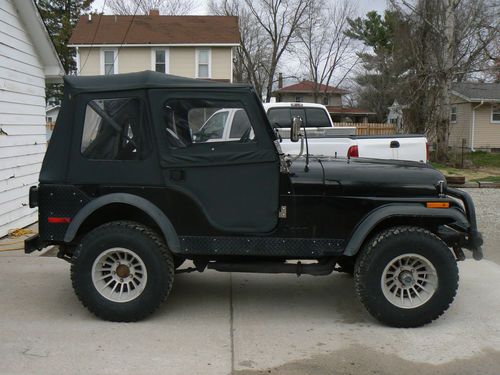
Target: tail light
<point>33,197</point>
<point>353,152</point>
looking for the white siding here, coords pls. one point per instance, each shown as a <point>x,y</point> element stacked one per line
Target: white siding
<point>22,120</point>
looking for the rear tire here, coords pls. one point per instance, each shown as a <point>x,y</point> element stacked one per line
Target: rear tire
<point>406,277</point>
<point>122,271</point>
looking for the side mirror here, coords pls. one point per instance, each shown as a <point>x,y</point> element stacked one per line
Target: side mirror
<point>295,130</point>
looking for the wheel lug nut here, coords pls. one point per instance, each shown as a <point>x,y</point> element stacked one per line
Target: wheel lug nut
<point>121,280</point>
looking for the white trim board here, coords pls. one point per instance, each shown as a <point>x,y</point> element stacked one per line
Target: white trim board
<point>156,45</point>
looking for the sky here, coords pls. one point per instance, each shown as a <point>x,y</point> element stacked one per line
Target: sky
<point>364,6</point>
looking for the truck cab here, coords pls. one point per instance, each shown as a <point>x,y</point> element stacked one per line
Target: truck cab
<point>141,175</point>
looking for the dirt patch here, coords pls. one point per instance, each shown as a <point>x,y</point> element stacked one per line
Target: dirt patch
<point>359,360</point>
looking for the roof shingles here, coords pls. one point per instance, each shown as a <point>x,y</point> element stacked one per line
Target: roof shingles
<point>155,29</point>
<point>478,91</point>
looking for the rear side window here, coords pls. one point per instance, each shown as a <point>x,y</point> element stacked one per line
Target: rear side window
<point>113,129</point>
<point>312,117</point>
<point>280,117</point>
<point>187,122</point>
<point>317,118</point>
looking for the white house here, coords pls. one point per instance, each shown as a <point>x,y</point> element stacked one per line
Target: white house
<point>28,60</point>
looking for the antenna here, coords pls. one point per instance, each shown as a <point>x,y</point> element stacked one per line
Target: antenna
<point>306,168</point>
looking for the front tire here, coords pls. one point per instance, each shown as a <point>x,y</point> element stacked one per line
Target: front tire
<point>122,271</point>
<point>406,277</point>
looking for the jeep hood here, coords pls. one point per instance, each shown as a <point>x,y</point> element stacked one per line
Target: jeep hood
<point>368,177</point>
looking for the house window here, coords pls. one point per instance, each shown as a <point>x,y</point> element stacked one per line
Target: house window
<point>203,57</point>
<point>495,114</point>
<point>109,62</point>
<point>160,60</point>
<point>453,114</point>
<point>325,100</point>
<point>298,99</point>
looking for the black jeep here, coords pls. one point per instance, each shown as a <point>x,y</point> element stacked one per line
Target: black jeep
<point>136,180</point>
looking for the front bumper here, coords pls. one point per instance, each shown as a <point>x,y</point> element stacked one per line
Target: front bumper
<point>474,239</point>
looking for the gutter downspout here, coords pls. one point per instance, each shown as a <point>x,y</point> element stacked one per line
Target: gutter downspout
<point>474,125</point>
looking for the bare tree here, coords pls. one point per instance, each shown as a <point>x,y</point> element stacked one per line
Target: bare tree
<point>325,48</point>
<point>167,7</point>
<point>251,58</point>
<point>279,21</point>
<point>446,41</point>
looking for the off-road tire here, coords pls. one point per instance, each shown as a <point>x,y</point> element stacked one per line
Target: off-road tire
<point>144,242</point>
<point>386,246</point>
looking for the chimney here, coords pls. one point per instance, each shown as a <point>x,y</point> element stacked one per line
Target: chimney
<point>280,80</point>
<point>154,12</point>
<point>90,18</point>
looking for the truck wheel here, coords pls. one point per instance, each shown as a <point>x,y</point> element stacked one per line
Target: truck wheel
<point>406,277</point>
<point>122,271</point>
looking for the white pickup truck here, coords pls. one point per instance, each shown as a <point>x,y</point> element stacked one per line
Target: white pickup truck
<point>325,139</point>
<point>230,124</point>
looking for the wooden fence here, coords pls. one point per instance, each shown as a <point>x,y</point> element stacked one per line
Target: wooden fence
<point>369,128</point>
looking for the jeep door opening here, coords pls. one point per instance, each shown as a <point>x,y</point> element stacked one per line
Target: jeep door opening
<point>139,176</point>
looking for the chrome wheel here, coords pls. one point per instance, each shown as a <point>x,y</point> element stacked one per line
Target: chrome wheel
<point>409,281</point>
<point>119,275</point>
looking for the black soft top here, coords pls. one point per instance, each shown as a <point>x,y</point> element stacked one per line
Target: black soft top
<point>141,80</point>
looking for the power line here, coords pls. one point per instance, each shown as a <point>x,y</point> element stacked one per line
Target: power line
<point>139,2</point>
<point>95,34</point>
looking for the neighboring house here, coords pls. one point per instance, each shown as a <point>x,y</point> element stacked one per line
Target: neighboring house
<point>189,46</point>
<point>51,113</point>
<point>329,96</point>
<point>27,61</point>
<point>475,116</point>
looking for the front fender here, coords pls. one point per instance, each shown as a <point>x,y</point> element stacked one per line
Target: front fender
<point>146,206</point>
<point>370,221</point>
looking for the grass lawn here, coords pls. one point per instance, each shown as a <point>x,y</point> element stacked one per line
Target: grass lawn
<point>484,159</point>
<point>488,179</point>
<point>486,167</point>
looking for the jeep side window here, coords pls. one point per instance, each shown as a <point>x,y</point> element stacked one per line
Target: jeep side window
<point>241,125</point>
<point>112,129</point>
<point>213,129</point>
<point>198,121</point>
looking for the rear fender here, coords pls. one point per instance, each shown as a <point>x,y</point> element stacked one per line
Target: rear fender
<point>146,206</point>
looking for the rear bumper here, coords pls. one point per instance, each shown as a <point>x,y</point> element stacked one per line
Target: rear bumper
<point>33,243</point>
